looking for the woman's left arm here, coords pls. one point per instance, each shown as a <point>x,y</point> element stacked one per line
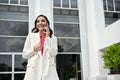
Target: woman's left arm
<point>51,45</point>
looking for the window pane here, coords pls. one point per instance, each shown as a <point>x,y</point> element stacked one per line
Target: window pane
<point>65,18</point>
<point>5,63</point>
<point>73,3</point>
<point>68,45</point>
<point>20,63</point>
<point>24,2</point>
<point>19,76</point>
<point>12,8</point>
<point>66,30</point>
<point>5,77</point>
<point>67,66</point>
<point>14,1</point>
<point>57,3</point>
<point>110,5</point>
<point>66,15</point>
<point>117,5</point>
<point>13,28</point>
<point>111,17</point>
<point>65,3</point>
<point>17,16</point>
<point>65,12</point>
<point>3,1</point>
<point>104,4</point>
<point>11,44</point>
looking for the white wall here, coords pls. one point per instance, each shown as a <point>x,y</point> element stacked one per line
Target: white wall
<point>110,35</point>
<point>84,39</point>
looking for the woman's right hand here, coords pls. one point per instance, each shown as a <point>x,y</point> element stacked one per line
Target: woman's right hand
<point>37,47</point>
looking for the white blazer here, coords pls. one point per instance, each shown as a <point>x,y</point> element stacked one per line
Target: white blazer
<point>39,66</point>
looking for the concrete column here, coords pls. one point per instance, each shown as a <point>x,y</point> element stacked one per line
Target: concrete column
<point>94,17</point>
<point>92,39</point>
<point>84,39</point>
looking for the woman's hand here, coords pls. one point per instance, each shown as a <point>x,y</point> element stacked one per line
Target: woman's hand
<point>37,47</point>
<point>47,32</point>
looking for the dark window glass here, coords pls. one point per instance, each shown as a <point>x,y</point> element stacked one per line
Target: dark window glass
<point>57,3</point>
<point>67,66</point>
<point>3,1</point>
<point>104,4</point>
<point>14,1</point>
<point>19,76</point>
<point>66,18</point>
<point>23,9</point>
<point>14,16</point>
<point>13,28</point>
<point>111,17</point>
<point>66,15</point>
<point>117,5</point>
<point>12,8</point>
<point>11,44</point>
<point>24,2</point>
<point>5,76</point>
<point>69,45</point>
<point>20,63</point>
<point>66,30</point>
<point>73,3</point>
<point>110,5</point>
<point>5,63</point>
<point>3,8</point>
<point>65,12</point>
<point>65,3</point>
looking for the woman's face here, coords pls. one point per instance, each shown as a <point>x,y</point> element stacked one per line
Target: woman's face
<point>41,23</point>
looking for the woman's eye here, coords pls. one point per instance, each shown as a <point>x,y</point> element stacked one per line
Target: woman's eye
<point>42,20</point>
<point>38,21</point>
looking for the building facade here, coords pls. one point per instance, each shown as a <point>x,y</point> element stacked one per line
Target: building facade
<point>83,29</point>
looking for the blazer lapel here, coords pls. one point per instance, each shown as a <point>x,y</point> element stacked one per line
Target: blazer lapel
<point>36,38</point>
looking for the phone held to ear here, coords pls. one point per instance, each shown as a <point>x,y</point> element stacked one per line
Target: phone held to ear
<point>44,30</point>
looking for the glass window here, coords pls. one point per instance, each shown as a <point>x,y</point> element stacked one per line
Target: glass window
<point>66,30</point>
<point>104,4</point>
<point>111,17</point>
<point>23,9</point>
<point>24,2</point>
<point>73,3</point>
<point>62,15</point>
<point>19,76</point>
<point>17,16</point>
<point>69,45</point>
<point>20,63</point>
<point>14,1</point>
<point>3,1</point>
<point>11,44</point>
<point>67,66</point>
<point>66,18</point>
<point>3,8</point>
<point>13,28</point>
<point>110,5</point>
<point>12,8</point>
<point>5,76</point>
<point>5,63</point>
<point>65,12</point>
<point>117,5</point>
<point>65,3</point>
<point>57,3</point>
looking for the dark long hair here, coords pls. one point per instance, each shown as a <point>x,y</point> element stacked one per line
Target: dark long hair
<point>35,29</point>
<point>51,32</point>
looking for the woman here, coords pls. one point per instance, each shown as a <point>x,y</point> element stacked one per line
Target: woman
<point>40,49</point>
